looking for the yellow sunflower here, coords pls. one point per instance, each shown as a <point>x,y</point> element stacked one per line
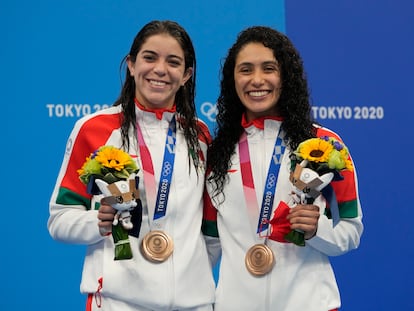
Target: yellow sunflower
<point>314,150</point>
<point>83,170</point>
<point>108,163</point>
<point>112,157</point>
<point>349,165</point>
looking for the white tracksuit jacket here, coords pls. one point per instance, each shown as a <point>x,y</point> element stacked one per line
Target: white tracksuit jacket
<point>302,278</point>
<point>185,279</point>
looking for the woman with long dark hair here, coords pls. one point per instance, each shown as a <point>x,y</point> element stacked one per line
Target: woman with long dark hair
<point>264,115</point>
<point>154,121</point>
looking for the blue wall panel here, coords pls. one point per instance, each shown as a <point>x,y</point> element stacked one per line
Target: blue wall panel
<point>358,55</point>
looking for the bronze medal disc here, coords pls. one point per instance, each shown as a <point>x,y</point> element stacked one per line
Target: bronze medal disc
<point>259,259</point>
<point>157,246</point>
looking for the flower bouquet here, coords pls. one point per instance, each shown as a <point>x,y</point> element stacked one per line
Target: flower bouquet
<point>111,171</point>
<point>314,164</point>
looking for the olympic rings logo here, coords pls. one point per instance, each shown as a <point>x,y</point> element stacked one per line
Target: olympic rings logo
<point>166,169</point>
<point>271,181</point>
<point>69,146</point>
<point>209,110</point>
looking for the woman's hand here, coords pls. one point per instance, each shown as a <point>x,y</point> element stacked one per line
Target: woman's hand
<point>304,218</point>
<point>106,217</point>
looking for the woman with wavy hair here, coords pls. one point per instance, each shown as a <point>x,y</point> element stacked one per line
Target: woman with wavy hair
<point>264,114</point>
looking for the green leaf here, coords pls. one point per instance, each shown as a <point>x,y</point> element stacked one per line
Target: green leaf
<point>110,178</point>
<point>121,174</point>
<point>296,237</point>
<point>122,251</point>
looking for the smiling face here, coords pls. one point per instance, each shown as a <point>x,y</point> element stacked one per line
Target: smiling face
<point>159,71</point>
<point>257,80</point>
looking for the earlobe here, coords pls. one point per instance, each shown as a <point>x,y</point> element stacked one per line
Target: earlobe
<point>130,65</point>
<point>187,75</point>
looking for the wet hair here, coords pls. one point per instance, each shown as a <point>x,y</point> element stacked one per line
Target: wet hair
<point>293,104</point>
<point>184,98</point>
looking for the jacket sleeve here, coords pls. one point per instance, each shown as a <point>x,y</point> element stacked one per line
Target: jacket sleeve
<point>210,231</point>
<point>72,219</point>
<point>344,236</point>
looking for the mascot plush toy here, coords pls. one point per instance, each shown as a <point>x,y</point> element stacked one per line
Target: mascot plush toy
<point>307,187</point>
<point>307,183</point>
<point>122,196</point>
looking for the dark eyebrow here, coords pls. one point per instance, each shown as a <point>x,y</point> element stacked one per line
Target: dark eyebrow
<point>244,64</point>
<point>270,62</point>
<point>169,56</point>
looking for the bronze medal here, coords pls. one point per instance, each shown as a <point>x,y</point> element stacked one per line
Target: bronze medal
<point>259,259</point>
<point>157,246</point>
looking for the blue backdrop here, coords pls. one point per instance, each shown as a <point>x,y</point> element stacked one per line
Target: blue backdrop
<point>358,54</point>
<point>60,60</point>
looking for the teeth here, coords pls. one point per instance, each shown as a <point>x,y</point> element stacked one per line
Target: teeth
<point>257,93</point>
<point>158,83</point>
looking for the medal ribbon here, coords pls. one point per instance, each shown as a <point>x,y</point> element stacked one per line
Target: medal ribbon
<point>166,170</point>
<point>270,186</point>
